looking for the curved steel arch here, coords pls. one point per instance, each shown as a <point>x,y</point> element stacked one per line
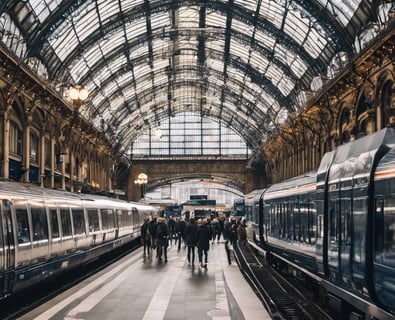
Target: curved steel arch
<point>259,112</point>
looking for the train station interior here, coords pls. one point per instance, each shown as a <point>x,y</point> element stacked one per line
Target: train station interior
<point>112,109</point>
<point>231,95</point>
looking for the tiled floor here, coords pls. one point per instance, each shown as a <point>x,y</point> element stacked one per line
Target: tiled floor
<point>142,288</point>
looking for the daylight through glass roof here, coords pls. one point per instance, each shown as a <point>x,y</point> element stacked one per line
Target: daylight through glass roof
<point>244,63</point>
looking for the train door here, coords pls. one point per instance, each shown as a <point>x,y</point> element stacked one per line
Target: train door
<point>261,223</point>
<point>333,237</point>
<point>345,238</point>
<point>7,247</point>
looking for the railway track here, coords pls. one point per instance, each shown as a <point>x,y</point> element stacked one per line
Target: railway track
<point>283,298</point>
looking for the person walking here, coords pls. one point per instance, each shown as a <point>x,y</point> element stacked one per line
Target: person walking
<point>171,225</point>
<point>146,238</point>
<point>191,239</point>
<point>162,239</point>
<point>152,229</point>
<point>203,242</point>
<point>241,234</point>
<point>180,227</point>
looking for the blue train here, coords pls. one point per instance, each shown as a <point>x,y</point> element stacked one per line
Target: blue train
<point>337,226</point>
<point>45,232</point>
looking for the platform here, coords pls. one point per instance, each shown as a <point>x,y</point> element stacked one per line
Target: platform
<point>140,288</point>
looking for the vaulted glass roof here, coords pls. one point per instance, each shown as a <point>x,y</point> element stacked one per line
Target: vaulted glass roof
<point>244,62</point>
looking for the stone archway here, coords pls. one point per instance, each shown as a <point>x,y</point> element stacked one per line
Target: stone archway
<point>234,173</point>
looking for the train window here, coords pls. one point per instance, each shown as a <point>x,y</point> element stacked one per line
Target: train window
<point>389,231</point>
<point>304,221</point>
<point>360,208</point>
<point>297,229</point>
<point>53,216</point>
<point>289,220</point>
<point>135,216</point>
<point>23,225</point>
<point>332,221</point>
<point>93,219</point>
<point>312,222</point>
<point>40,223</point>
<point>66,222</point>
<point>379,229</point>
<point>320,231</point>
<point>78,221</point>
<point>124,218</point>
<point>107,217</point>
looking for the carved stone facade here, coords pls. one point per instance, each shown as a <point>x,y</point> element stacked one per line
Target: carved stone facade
<point>43,140</point>
<point>359,101</point>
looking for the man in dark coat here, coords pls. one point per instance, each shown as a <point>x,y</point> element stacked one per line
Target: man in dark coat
<point>180,226</point>
<point>145,237</point>
<point>152,229</point>
<point>191,239</point>
<point>162,238</point>
<point>203,242</point>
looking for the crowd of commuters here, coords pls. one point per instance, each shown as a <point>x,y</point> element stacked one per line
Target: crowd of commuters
<point>159,233</point>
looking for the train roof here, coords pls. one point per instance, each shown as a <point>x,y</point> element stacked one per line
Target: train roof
<point>254,195</point>
<point>309,178</point>
<point>355,159</point>
<point>366,144</point>
<point>28,191</point>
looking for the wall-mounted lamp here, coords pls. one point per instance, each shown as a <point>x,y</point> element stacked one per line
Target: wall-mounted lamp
<point>142,180</point>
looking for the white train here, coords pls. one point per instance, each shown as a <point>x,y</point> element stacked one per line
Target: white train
<point>44,232</point>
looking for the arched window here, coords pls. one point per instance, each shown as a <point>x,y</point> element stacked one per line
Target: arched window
<point>33,147</point>
<point>361,114</point>
<point>385,103</point>
<point>15,139</point>
<point>190,134</point>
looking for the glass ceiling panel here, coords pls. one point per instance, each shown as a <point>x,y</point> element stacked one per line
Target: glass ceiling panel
<point>294,61</point>
<point>129,4</point>
<point>213,19</point>
<point>115,103</point>
<point>115,41</point>
<point>295,26</point>
<point>159,20</point>
<point>238,51</point>
<point>159,80</point>
<point>248,4</point>
<point>189,17</point>
<point>160,47</point>
<point>64,34</point>
<point>86,24</point>
<point>272,12</point>
<point>103,75</point>
<point>128,92</point>
<point>138,27</point>
<point>217,45</point>
<point>138,52</point>
<point>258,61</point>
<point>264,40</point>
<point>107,8</point>
<point>43,8</point>
<point>315,44</point>
<point>342,10</point>
<point>286,85</point>
<point>242,27</point>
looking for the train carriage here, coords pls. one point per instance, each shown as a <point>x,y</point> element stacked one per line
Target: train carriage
<point>337,225</point>
<point>384,231</point>
<point>289,219</point>
<point>45,232</point>
<point>254,212</point>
